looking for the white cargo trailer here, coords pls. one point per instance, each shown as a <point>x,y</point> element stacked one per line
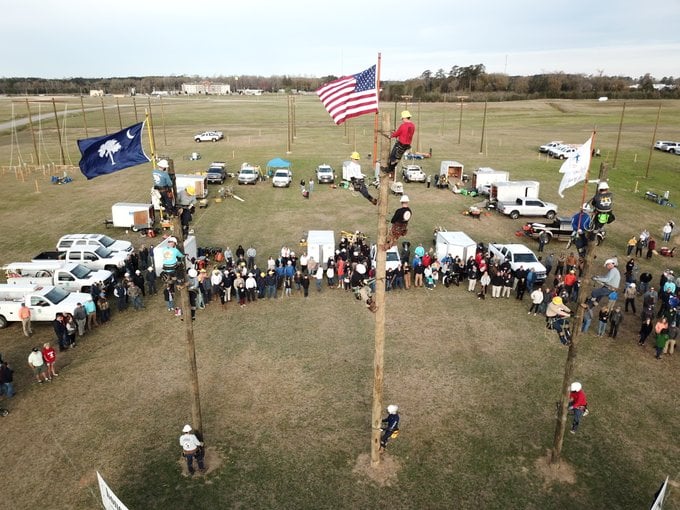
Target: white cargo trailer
<point>133,216</point>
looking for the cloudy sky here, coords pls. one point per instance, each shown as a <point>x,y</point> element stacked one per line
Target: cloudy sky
<point>69,38</point>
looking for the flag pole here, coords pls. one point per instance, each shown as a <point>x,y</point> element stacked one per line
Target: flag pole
<point>152,142</point>
<point>570,364</point>
<point>377,114</point>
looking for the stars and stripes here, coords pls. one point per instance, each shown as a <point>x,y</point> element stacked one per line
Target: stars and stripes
<point>350,96</point>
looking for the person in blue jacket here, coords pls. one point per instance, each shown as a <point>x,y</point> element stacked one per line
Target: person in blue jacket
<point>391,425</point>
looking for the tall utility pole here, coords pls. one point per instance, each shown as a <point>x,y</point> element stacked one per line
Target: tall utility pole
<point>106,127</point>
<point>120,118</point>
<point>61,145</point>
<point>82,110</point>
<point>30,123</point>
<point>460,121</point>
<point>378,356</point>
<point>651,145</point>
<point>481,145</point>
<point>182,297</point>
<point>561,418</point>
<point>618,137</point>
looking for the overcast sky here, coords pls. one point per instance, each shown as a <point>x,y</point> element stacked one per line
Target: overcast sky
<point>70,38</point>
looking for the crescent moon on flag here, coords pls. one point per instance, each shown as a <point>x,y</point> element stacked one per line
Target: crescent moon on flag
<point>127,133</point>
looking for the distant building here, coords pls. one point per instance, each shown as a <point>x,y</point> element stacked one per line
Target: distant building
<point>96,93</point>
<point>219,89</point>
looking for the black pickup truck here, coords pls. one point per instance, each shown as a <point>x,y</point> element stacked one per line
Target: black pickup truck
<point>217,172</point>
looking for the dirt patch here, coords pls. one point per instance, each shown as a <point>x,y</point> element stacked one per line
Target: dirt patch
<point>384,474</point>
<point>554,473</point>
<point>213,461</point>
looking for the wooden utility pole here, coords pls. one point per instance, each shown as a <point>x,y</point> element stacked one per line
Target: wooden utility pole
<point>378,357</point>
<point>182,297</point>
<point>120,119</point>
<point>165,136</point>
<point>481,145</point>
<point>61,145</point>
<point>651,145</point>
<point>584,295</point>
<point>35,144</point>
<point>134,105</point>
<point>106,127</point>
<point>418,131</point>
<point>618,137</point>
<point>460,121</point>
<point>82,110</point>
<point>292,98</point>
<point>289,132</point>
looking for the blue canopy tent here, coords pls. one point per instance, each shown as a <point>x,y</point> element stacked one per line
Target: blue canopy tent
<point>275,163</point>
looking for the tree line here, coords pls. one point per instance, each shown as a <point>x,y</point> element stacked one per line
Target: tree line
<point>471,82</point>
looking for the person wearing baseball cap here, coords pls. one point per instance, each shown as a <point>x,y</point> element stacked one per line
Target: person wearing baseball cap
<point>192,448</point>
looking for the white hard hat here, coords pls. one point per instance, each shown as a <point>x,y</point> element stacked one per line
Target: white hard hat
<point>575,386</point>
<point>187,428</point>
<point>392,408</point>
<point>192,273</point>
<point>404,198</point>
<point>611,261</point>
<point>172,240</point>
<point>163,163</point>
<point>602,185</point>
<point>361,269</point>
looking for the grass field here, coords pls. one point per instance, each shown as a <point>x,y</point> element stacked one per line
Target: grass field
<point>286,384</point>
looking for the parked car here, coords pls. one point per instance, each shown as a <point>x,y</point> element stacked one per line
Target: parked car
<point>248,174</point>
<point>325,174</point>
<point>550,145</point>
<point>282,178</point>
<point>562,151</point>
<point>217,172</point>
<point>413,173</point>
<point>664,145</point>
<point>672,147</point>
<point>209,136</point>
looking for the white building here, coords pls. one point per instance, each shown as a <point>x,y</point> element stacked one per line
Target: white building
<point>206,88</point>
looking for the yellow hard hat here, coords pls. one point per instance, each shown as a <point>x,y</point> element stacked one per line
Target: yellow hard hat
<point>191,191</point>
<point>355,155</point>
<point>557,300</point>
<point>405,114</point>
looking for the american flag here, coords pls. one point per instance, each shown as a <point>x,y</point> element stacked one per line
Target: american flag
<point>350,96</point>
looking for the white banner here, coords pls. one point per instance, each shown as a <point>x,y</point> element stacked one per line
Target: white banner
<point>658,502</point>
<point>109,499</point>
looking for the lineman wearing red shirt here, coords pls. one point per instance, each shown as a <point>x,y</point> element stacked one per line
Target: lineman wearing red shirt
<point>404,136</point>
<point>578,403</point>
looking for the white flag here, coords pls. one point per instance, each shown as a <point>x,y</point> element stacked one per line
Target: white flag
<point>575,167</point>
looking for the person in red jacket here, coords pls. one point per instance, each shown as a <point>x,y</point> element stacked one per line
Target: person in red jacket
<point>50,357</point>
<point>577,403</point>
<point>404,135</point>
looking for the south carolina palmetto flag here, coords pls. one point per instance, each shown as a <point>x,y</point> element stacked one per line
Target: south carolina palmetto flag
<point>110,153</point>
<point>350,96</point>
<point>575,167</point>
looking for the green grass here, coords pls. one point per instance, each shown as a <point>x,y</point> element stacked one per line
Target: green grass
<point>286,385</point>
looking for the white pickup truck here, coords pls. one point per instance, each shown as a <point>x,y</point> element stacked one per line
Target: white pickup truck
<point>519,256</point>
<point>93,258</point>
<point>69,276</point>
<point>527,207</point>
<point>45,302</point>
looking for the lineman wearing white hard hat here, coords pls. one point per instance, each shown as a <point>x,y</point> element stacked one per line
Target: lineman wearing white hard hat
<point>192,448</point>
<point>577,403</point>
<point>399,222</point>
<point>162,183</point>
<point>391,428</point>
<point>602,204</point>
<point>404,135</point>
<point>610,281</point>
